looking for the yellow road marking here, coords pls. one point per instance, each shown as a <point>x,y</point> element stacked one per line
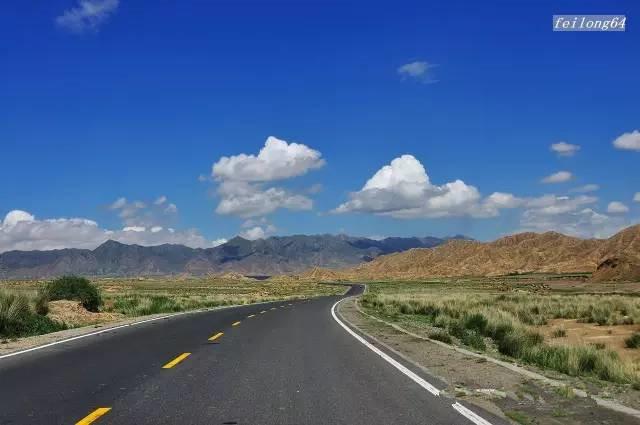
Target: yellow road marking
<point>251,315</point>
<point>235,323</point>
<point>93,416</point>
<point>263,311</point>
<point>177,360</point>
<point>216,336</point>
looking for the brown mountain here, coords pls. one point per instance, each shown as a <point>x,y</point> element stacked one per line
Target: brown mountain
<point>549,252</point>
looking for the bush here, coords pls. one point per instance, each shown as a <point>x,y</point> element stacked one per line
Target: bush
<point>559,333</point>
<point>73,288</point>
<point>42,304</point>
<point>633,341</point>
<point>17,319</point>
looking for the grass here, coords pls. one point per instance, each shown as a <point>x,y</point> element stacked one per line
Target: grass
<point>18,317</point>
<point>633,341</point>
<point>144,296</point>
<point>518,417</point>
<point>505,323</point>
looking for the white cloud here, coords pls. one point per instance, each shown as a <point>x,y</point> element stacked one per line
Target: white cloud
<point>418,70</point>
<point>88,15</point>
<point>250,200</point>
<point>617,207</point>
<point>16,216</point>
<point>258,232</point>
<point>559,177</point>
<point>277,160</point>
<point>583,223</point>
<point>402,189</point>
<point>242,179</point>
<point>636,197</point>
<point>628,141</point>
<point>565,149</point>
<point>138,213</point>
<point>22,231</point>
<point>134,229</point>
<point>218,242</point>
<point>586,188</point>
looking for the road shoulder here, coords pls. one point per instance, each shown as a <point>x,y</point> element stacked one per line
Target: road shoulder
<point>490,386</point>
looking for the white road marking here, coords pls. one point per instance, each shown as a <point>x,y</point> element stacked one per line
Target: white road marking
<point>415,378</point>
<point>469,414</point>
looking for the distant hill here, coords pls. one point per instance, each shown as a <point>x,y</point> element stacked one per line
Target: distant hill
<point>521,253</point>
<point>274,255</point>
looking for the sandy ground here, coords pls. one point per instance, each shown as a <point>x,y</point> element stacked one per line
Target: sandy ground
<point>612,337</point>
<point>487,384</point>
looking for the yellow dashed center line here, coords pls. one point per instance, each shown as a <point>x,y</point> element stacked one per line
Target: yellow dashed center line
<point>250,316</point>
<point>177,360</point>
<point>235,323</point>
<point>93,416</point>
<point>216,336</point>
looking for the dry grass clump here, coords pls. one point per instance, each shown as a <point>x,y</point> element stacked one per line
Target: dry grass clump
<point>504,322</point>
<point>18,317</point>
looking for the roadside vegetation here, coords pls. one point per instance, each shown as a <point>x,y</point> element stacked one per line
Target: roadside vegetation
<point>29,307</point>
<point>18,317</point>
<point>508,324</point>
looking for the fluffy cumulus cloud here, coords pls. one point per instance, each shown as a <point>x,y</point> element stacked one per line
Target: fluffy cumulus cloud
<point>20,230</point>
<point>403,189</point>
<point>617,207</point>
<point>277,160</point>
<point>628,141</point>
<point>244,180</point>
<point>559,177</point>
<point>636,197</point>
<point>418,70</point>
<point>88,15</point>
<point>565,149</point>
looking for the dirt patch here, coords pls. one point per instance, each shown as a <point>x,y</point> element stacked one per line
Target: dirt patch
<point>74,314</point>
<point>493,387</point>
<point>576,334</point>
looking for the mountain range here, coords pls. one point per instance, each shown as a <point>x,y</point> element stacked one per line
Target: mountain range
<point>270,256</point>
<point>616,258</point>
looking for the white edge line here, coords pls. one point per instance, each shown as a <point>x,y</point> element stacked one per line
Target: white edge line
<point>469,414</point>
<point>415,378</point>
<point>126,325</point>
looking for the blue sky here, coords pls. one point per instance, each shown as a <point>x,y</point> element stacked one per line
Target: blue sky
<point>108,99</point>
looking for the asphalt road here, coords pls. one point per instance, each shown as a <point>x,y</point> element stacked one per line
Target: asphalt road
<point>278,363</point>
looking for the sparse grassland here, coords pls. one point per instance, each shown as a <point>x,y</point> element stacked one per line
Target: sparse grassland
<point>507,319</point>
<point>143,296</point>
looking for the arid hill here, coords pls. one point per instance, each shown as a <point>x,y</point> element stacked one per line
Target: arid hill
<point>549,252</point>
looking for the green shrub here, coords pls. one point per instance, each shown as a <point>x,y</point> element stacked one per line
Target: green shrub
<point>475,340</point>
<point>17,319</point>
<point>633,341</point>
<point>559,333</point>
<point>476,322</point>
<point>74,288</point>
